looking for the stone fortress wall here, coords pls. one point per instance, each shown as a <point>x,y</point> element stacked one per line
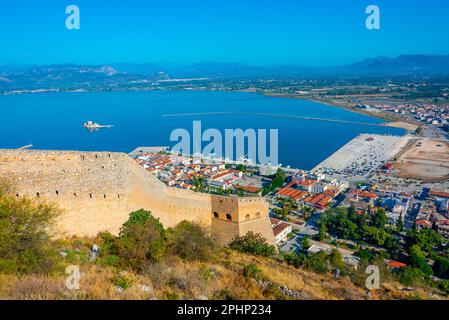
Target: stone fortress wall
<point>97,190</point>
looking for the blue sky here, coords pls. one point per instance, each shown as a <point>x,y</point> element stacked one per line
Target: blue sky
<point>258,32</point>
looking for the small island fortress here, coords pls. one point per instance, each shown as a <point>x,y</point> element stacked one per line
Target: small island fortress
<point>97,190</point>
<point>93,125</point>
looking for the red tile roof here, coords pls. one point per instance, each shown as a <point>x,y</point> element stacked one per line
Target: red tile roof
<point>320,200</point>
<point>306,183</point>
<point>292,193</point>
<point>423,222</point>
<point>364,194</point>
<point>279,228</point>
<point>396,264</point>
<point>439,194</point>
<point>248,188</point>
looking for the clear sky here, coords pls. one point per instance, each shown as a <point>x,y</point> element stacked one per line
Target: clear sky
<point>258,32</point>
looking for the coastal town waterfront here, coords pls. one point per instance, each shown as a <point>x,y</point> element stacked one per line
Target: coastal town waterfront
<point>353,178</point>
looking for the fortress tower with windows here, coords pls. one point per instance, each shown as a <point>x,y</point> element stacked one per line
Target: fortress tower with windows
<point>97,190</point>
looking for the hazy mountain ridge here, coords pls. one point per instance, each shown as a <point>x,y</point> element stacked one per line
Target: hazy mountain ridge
<point>404,64</point>
<point>68,74</point>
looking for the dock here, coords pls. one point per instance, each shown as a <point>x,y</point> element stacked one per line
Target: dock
<point>274,116</point>
<point>28,146</point>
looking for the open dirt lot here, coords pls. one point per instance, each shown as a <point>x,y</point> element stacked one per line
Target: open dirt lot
<point>403,125</point>
<point>424,159</point>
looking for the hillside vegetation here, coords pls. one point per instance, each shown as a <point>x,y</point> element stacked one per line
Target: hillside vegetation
<point>147,261</point>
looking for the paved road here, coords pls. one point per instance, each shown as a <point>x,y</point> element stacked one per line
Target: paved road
<point>410,217</point>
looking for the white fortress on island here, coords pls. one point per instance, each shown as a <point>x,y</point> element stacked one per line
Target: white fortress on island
<point>93,125</point>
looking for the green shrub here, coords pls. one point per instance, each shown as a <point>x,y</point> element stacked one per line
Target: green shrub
<point>252,271</point>
<point>142,241</point>
<point>316,262</point>
<point>336,260</point>
<point>418,261</point>
<point>441,267</point>
<point>410,276</point>
<point>109,261</point>
<point>191,242</point>
<point>254,244</point>
<point>122,281</point>
<point>207,273</point>
<point>305,244</point>
<point>294,259</point>
<point>76,256</point>
<point>443,285</point>
<point>171,296</point>
<point>365,255</point>
<point>25,245</point>
<point>109,243</point>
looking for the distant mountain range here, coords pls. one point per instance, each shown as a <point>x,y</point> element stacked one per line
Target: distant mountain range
<point>402,65</point>
<point>33,76</point>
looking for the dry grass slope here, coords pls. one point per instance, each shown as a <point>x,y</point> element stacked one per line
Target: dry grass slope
<point>222,278</point>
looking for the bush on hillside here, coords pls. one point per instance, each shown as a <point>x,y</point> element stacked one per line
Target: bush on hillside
<point>443,285</point>
<point>317,262</point>
<point>142,241</point>
<point>441,267</point>
<point>252,271</point>
<point>25,245</point>
<point>410,276</point>
<point>294,259</point>
<point>254,244</point>
<point>191,242</point>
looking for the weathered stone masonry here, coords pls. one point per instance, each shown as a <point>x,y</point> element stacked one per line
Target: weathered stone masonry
<point>98,190</point>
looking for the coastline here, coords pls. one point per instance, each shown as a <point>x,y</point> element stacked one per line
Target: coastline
<point>396,122</point>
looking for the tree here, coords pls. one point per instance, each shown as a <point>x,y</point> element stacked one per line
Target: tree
<point>400,224</point>
<point>294,259</point>
<point>141,241</point>
<point>240,167</point>
<point>365,255</point>
<point>305,244</point>
<point>137,217</point>
<point>443,285</point>
<point>441,267</point>
<point>418,260</point>
<point>426,239</point>
<point>410,276</point>
<point>419,130</point>
<point>380,218</point>
<point>191,242</point>
<point>375,235</point>
<point>317,262</point>
<point>278,180</point>
<point>322,232</point>
<point>254,244</point>
<point>25,234</point>
<point>336,259</point>
<point>351,210</point>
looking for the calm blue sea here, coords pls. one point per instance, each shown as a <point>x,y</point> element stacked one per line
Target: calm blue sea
<point>54,121</point>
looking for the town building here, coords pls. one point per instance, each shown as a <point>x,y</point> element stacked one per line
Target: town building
<point>281,230</point>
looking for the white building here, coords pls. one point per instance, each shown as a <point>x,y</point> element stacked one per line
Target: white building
<point>281,230</point>
<point>319,187</point>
